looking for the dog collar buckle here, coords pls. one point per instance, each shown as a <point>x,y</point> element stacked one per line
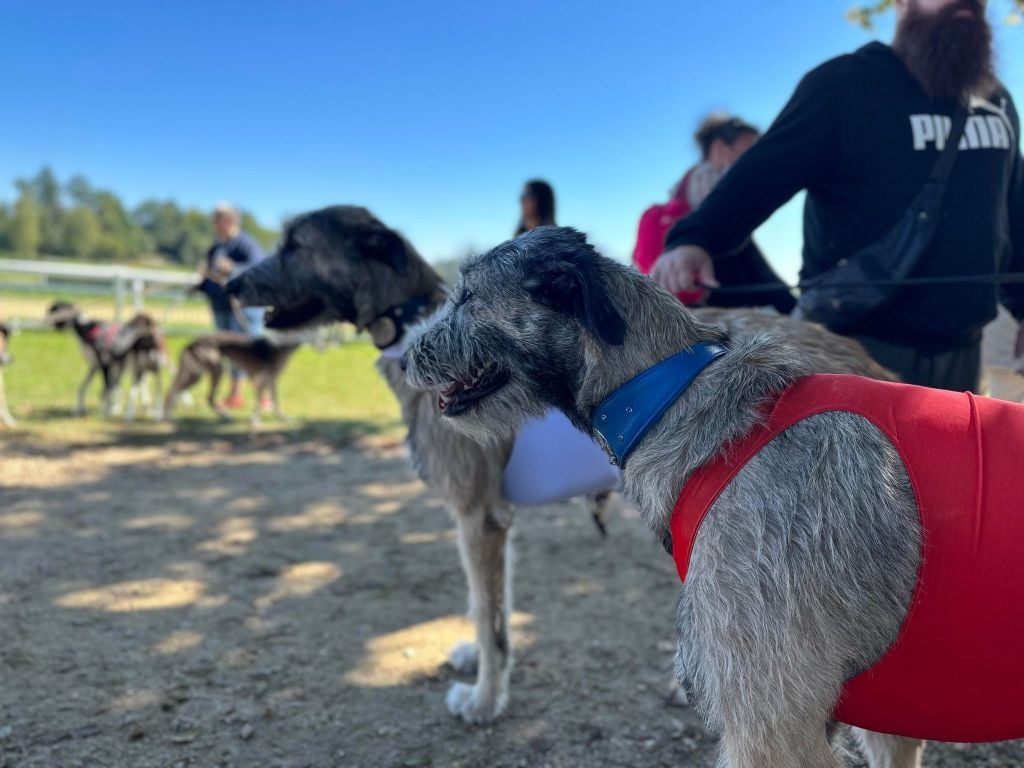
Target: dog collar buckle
<point>394,320</point>
<point>599,439</point>
<point>624,417</point>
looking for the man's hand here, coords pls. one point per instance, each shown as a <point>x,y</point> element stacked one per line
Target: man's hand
<point>678,270</point>
<point>219,272</point>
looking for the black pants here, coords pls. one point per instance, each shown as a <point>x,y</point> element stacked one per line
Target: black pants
<point>957,369</point>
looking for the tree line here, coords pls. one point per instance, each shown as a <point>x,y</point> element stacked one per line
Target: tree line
<point>76,219</point>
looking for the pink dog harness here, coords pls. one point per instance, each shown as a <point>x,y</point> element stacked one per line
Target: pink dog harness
<point>956,671</point>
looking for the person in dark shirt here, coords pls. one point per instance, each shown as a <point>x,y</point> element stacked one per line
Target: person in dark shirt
<point>861,134</point>
<point>233,252</point>
<point>537,206</point>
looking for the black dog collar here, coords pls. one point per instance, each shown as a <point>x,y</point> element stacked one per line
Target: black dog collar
<point>389,326</point>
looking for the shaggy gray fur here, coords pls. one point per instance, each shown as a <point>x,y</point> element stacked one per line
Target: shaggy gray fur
<point>342,263</point>
<point>802,572</point>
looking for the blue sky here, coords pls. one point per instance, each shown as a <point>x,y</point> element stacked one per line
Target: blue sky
<point>431,114</point>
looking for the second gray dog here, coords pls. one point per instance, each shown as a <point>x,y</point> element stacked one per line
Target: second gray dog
<point>342,263</point>
<point>799,578</point>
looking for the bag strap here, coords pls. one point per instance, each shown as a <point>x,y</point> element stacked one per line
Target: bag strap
<point>944,165</point>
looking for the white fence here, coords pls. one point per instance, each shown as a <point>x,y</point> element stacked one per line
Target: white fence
<point>112,293</point>
<point>106,291</point>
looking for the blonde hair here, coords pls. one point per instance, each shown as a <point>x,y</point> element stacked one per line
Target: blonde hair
<point>224,209</point>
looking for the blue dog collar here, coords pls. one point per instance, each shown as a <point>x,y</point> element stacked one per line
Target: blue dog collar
<point>627,414</point>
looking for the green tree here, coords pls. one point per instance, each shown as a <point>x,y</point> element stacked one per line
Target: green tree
<point>865,15</point>
<point>80,219</point>
<point>122,238</point>
<point>5,228</point>
<point>197,236</point>
<point>265,237</point>
<point>80,191</point>
<point>162,221</point>
<point>82,231</point>
<point>25,225</point>
<point>45,190</point>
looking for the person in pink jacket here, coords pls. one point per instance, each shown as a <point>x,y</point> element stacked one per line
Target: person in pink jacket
<point>722,140</point>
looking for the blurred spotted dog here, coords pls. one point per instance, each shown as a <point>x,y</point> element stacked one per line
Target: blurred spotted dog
<point>110,348</point>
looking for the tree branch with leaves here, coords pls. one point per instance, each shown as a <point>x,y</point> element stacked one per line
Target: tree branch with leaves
<point>864,15</point>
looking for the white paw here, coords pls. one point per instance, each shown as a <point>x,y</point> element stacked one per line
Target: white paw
<point>465,702</point>
<point>464,657</point>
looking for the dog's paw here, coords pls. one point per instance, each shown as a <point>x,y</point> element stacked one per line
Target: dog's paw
<point>676,696</point>
<point>464,701</point>
<point>464,658</point>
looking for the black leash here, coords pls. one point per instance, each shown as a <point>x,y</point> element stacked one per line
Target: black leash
<point>1009,278</point>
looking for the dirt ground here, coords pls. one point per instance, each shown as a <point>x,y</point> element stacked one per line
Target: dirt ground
<point>265,601</point>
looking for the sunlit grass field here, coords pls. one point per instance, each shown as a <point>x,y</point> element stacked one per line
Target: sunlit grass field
<point>336,394</point>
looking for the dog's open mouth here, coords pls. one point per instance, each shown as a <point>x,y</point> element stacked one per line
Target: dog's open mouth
<point>304,313</point>
<point>461,395</point>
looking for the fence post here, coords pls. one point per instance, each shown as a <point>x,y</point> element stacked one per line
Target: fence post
<point>138,294</point>
<point>118,298</point>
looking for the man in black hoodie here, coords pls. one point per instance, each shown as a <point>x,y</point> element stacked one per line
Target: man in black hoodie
<point>861,134</point>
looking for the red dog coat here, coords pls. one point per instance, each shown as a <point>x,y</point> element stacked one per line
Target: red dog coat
<point>956,671</point>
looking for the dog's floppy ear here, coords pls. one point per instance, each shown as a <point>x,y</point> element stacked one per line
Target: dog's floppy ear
<point>382,244</point>
<point>357,227</point>
<point>564,274</point>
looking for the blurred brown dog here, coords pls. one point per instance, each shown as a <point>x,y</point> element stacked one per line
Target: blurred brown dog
<point>262,359</point>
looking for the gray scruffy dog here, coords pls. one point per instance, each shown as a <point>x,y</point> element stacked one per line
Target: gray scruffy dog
<point>790,592</point>
<point>342,263</point>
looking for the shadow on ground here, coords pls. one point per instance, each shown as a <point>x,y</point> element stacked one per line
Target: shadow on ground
<point>196,597</point>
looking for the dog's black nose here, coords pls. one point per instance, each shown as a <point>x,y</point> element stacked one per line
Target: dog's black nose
<point>233,287</point>
<point>403,361</point>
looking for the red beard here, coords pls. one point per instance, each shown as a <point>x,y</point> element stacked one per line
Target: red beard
<point>949,55</point>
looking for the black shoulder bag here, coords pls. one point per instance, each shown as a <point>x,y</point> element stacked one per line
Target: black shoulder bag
<point>859,284</point>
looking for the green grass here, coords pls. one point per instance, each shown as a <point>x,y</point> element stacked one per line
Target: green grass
<point>336,395</point>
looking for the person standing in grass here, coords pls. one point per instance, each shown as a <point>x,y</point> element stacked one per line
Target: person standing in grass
<point>232,253</point>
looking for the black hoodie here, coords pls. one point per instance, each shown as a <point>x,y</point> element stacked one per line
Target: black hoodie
<point>861,136</point>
